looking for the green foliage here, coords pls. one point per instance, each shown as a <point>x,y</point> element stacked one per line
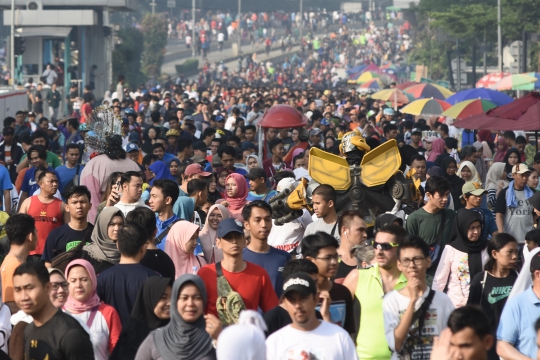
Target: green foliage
<point>468,21</point>
<point>188,66</point>
<point>155,40</point>
<point>127,56</point>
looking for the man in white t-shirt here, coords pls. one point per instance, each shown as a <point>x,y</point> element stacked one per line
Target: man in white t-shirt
<point>324,200</point>
<point>307,337</point>
<point>402,309</point>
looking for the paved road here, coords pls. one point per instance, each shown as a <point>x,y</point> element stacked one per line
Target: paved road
<point>176,52</point>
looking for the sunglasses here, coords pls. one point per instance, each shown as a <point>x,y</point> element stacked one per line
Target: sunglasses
<point>380,246</point>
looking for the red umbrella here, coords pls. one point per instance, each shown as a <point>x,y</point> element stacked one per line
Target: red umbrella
<point>521,114</point>
<point>490,79</point>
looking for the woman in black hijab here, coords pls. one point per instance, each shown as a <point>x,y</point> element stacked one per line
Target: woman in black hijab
<point>449,167</point>
<point>511,158</point>
<point>185,337</point>
<point>150,311</point>
<point>463,257</point>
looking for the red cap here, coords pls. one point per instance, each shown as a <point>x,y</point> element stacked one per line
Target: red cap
<point>196,169</point>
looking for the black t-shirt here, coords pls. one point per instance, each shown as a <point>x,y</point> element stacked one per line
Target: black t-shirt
<point>60,338</point>
<point>99,266</point>
<point>120,285</point>
<point>278,318</point>
<point>340,294</point>
<point>63,239</point>
<point>160,262</point>
<point>343,270</point>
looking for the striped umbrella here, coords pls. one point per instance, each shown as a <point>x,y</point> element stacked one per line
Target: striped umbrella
<point>489,80</point>
<point>365,77</point>
<point>467,108</point>
<point>427,90</point>
<point>426,107</point>
<point>395,96</point>
<point>512,82</point>
<point>373,84</point>
<point>531,86</point>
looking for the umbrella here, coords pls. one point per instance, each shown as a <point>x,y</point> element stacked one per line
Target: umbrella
<point>371,67</point>
<point>489,80</point>
<point>406,85</point>
<point>396,96</point>
<point>468,108</point>
<point>427,107</point>
<point>393,8</point>
<point>532,86</point>
<point>427,90</point>
<point>521,114</point>
<point>496,97</point>
<point>511,82</point>
<point>365,77</point>
<point>374,84</point>
<point>357,69</point>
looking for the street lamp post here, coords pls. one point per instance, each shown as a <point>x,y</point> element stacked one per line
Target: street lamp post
<point>193,28</point>
<point>12,44</point>
<point>499,36</point>
<point>301,18</point>
<point>239,28</point>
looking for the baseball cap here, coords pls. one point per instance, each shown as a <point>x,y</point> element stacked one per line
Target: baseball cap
<point>416,131</point>
<point>220,118</point>
<point>472,187</point>
<point>131,147</point>
<point>188,118</point>
<point>134,136</point>
<point>216,112</point>
<point>520,169</point>
<point>303,135</point>
<point>200,145</point>
<point>314,132</point>
<point>196,169</point>
<point>52,270</point>
<point>228,226</point>
<point>300,282</point>
<point>325,122</point>
<point>246,145</point>
<point>52,127</point>
<point>535,262</point>
<point>256,173</point>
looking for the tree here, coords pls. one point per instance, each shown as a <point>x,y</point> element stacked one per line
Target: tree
<point>155,40</point>
<point>127,56</point>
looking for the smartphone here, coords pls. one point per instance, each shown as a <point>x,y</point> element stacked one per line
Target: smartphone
<point>118,188</point>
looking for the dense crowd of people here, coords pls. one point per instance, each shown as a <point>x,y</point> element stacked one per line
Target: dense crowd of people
<point>163,244</point>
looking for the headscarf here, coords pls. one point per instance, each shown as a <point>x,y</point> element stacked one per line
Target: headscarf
<point>509,167</point>
<point>184,208</point>
<point>237,203</point>
<point>76,306</point>
<point>472,168</point>
<point>455,181</point>
<point>208,237</point>
<point>500,154</point>
<point>460,241</point>
<point>259,163</point>
<point>294,154</point>
<point>487,154</point>
<point>161,171</point>
<point>181,340</point>
<point>103,248</point>
<point>245,340</point>
<point>175,247</point>
<point>438,148</point>
<point>494,176</point>
<point>142,320</point>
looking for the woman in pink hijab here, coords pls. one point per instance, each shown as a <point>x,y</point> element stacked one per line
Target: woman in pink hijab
<point>437,149</point>
<point>180,246</point>
<point>84,304</point>
<point>236,192</point>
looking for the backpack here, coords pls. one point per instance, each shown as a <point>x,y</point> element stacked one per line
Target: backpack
<point>229,303</point>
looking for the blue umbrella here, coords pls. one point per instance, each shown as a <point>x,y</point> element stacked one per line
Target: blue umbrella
<point>357,69</point>
<point>494,96</point>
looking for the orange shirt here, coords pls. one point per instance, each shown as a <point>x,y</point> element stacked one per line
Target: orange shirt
<point>8,268</point>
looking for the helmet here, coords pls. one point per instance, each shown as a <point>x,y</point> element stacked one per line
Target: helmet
<point>388,112</point>
<point>353,140</point>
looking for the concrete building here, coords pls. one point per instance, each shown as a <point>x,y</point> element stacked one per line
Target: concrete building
<point>72,34</point>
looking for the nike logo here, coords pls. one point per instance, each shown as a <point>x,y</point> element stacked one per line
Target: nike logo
<point>493,299</point>
<point>31,183</point>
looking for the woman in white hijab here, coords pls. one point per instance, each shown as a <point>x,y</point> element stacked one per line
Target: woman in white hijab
<point>245,340</point>
<point>467,171</point>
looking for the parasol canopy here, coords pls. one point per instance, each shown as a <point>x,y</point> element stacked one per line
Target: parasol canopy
<point>489,80</point>
<point>426,107</point>
<point>496,97</point>
<point>468,108</point>
<point>512,82</point>
<point>427,90</point>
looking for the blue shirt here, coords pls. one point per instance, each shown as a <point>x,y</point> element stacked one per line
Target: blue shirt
<point>30,184</point>
<point>66,174</point>
<point>272,261</point>
<point>5,181</point>
<point>161,226</point>
<point>517,322</point>
<point>253,196</point>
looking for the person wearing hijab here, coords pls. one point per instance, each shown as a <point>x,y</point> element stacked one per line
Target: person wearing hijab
<point>480,163</point>
<point>467,171</point>
<point>208,234</point>
<point>103,253</point>
<point>449,167</point>
<point>495,182</point>
<point>180,246</point>
<point>502,148</point>
<point>236,192</point>
<point>535,203</point>
<point>173,165</point>
<point>253,161</point>
<point>150,311</point>
<point>512,158</point>
<point>187,336</point>
<point>245,340</point>
<point>463,258</point>
<point>437,148</point>
<point>84,304</point>
<point>160,170</point>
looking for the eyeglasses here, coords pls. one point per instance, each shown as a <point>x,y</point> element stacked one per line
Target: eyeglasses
<point>329,258</point>
<point>64,285</point>
<point>380,246</point>
<point>417,261</point>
